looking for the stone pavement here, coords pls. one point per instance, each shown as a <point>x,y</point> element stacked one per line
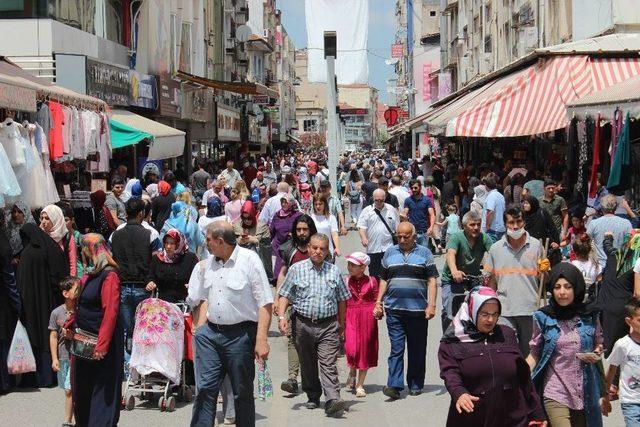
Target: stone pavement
<point>44,407</point>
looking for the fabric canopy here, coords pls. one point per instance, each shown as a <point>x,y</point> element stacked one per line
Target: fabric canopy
<point>530,101</point>
<point>625,95</point>
<point>130,128</point>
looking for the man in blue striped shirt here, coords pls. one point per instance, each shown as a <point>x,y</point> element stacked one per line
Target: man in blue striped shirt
<point>408,288</point>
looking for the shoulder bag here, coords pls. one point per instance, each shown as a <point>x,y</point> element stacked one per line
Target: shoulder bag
<point>393,234</point>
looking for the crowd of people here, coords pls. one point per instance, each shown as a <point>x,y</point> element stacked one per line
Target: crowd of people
<point>535,280</point>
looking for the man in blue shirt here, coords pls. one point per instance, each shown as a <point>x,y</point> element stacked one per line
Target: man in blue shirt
<point>419,211</point>
<point>493,213</point>
<point>408,288</point>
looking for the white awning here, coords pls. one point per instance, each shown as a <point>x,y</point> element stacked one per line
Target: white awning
<point>167,141</point>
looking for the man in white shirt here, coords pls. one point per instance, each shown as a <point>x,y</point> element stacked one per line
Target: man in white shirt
<point>375,236</point>
<point>272,206</point>
<point>269,175</point>
<point>399,191</point>
<point>231,175</point>
<point>232,304</point>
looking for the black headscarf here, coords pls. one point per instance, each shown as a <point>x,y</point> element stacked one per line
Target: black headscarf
<point>537,222</point>
<point>572,275</point>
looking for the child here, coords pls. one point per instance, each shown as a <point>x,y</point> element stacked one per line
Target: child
<point>361,330</point>
<point>452,221</point>
<point>576,230</point>
<point>626,356</point>
<point>60,347</point>
<point>587,262</point>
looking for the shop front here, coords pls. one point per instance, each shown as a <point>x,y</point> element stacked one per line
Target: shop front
<point>229,132</point>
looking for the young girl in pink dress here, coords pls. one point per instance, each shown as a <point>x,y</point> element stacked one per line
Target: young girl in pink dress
<point>361,332</point>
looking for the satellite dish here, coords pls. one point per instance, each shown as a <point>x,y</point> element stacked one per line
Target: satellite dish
<point>243,32</point>
<point>391,61</point>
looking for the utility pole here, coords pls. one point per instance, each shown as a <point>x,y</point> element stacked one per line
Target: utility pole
<point>330,54</point>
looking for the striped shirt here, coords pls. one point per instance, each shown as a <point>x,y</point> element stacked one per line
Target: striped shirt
<point>516,273</point>
<point>314,292</point>
<point>406,277</point>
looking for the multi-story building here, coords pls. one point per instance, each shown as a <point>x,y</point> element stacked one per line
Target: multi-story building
<point>287,81</point>
<point>481,36</point>
<point>311,103</point>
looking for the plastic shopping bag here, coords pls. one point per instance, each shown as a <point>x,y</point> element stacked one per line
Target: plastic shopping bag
<point>265,385</point>
<point>20,360</point>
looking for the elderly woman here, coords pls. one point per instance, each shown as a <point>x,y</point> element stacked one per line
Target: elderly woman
<point>15,218</point>
<point>184,218</point>
<point>97,383</point>
<point>42,266</point>
<point>52,222</point>
<point>565,352</point>
<point>473,345</point>
<point>280,228</point>
<point>171,268</point>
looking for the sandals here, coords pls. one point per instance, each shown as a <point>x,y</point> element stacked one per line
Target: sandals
<point>351,383</point>
<point>360,392</point>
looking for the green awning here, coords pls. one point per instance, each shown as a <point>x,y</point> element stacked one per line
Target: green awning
<point>123,135</point>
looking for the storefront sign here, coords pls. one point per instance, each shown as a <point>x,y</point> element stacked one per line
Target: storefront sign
<point>143,90</point>
<point>17,98</point>
<point>197,104</point>
<point>228,124</point>
<point>426,82</point>
<point>271,109</point>
<point>397,50</point>
<point>108,82</point>
<point>354,111</point>
<point>261,99</point>
<point>170,97</point>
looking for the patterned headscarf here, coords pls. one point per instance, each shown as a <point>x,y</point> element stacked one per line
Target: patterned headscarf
<point>56,216</point>
<point>181,246</point>
<point>13,229</point>
<point>463,327</point>
<point>95,247</point>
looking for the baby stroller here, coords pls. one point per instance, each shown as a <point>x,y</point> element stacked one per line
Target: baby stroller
<point>156,365</point>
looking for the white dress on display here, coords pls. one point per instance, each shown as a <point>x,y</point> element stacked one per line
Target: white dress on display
<point>49,184</point>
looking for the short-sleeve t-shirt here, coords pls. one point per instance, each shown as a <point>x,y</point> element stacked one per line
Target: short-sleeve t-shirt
<point>418,212</point>
<point>56,323</point>
<point>113,203</point>
<point>554,207</point>
<point>626,355</point>
<point>495,203</point>
<point>468,259</point>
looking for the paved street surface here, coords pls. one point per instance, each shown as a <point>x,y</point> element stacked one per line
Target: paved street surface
<point>44,408</point>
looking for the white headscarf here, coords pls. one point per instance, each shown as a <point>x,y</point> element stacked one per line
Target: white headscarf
<point>56,216</point>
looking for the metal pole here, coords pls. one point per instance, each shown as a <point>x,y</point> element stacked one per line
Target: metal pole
<point>332,125</point>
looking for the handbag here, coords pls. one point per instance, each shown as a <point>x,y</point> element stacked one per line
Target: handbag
<point>393,235</point>
<point>84,344</point>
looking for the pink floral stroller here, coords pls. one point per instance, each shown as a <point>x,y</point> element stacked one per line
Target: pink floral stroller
<point>157,354</point>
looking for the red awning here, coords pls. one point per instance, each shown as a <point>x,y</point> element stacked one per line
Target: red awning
<point>533,100</point>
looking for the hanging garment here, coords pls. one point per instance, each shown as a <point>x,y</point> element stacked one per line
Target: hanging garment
<point>582,154</point>
<point>10,139</point>
<point>620,174</point>
<point>91,130</point>
<point>77,146</point>
<point>51,192</point>
<point>67,130</point>
<point>595,161</point>
<point>616,129</point>
<point>8,182</point>
<point>43,118</point>
<point>56,142</point>
<point>31,175</point>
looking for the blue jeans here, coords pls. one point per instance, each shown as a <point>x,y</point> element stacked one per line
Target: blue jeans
<point>130,297</point>
<point>631,412</point>
<point>412,330</point>
<point>422,239</point>
<point>218,354</point>
<point>495,235</point>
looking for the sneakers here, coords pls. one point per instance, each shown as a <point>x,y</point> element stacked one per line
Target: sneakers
<point>391,392</point>
<point>312,404</point>
<point>415,392</point>
<point>230,421</point>
<point>334,407</point>
<point>290,386</point>
<point>360,392</point>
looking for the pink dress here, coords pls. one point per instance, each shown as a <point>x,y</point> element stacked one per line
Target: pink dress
<point>361,331</point>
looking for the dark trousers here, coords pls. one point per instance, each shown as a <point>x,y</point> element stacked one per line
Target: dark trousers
<point>218,354</point>
<point>318,344</point>
<point>411,330</point>
<point>523,326</point>
<point>375,265</point>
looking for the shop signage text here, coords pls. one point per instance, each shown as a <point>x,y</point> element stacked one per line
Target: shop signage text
<point>170,97</point>
<point>228,124</point>
<point>107,82</point>
<point>144,90</point>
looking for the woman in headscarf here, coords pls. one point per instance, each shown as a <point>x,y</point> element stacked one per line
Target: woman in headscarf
<point>15,218</point>
<point>171,268</point>
<point>42,266</point>
<point>565,352</point>
<point>52,222</point>
<point>280,228</point>
<point>361,328</point>
<point>184,218</point>
<point>161,205</point>
<point>479,198</point>
<point>537,221</point>
<point>471,348</point>
<point>251,235</point>
<point>103,222</point>
<point>97,383</point>
<point>215,212</point>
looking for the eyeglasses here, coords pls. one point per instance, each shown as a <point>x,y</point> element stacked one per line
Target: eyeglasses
<point>485,316</point>
<point>378,200</point>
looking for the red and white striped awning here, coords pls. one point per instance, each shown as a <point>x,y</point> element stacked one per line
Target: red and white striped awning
<point>533,100</point>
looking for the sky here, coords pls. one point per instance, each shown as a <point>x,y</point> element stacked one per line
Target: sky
<point>381,36</point>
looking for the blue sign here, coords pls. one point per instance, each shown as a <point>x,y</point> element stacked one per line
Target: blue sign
<point>145,166</point>
<point>143,90</point>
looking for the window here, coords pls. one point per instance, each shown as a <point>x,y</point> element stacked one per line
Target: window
<point>432,13</point>
<point>310,125</point>
<point>185,47</point>
<point>487,44</point>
